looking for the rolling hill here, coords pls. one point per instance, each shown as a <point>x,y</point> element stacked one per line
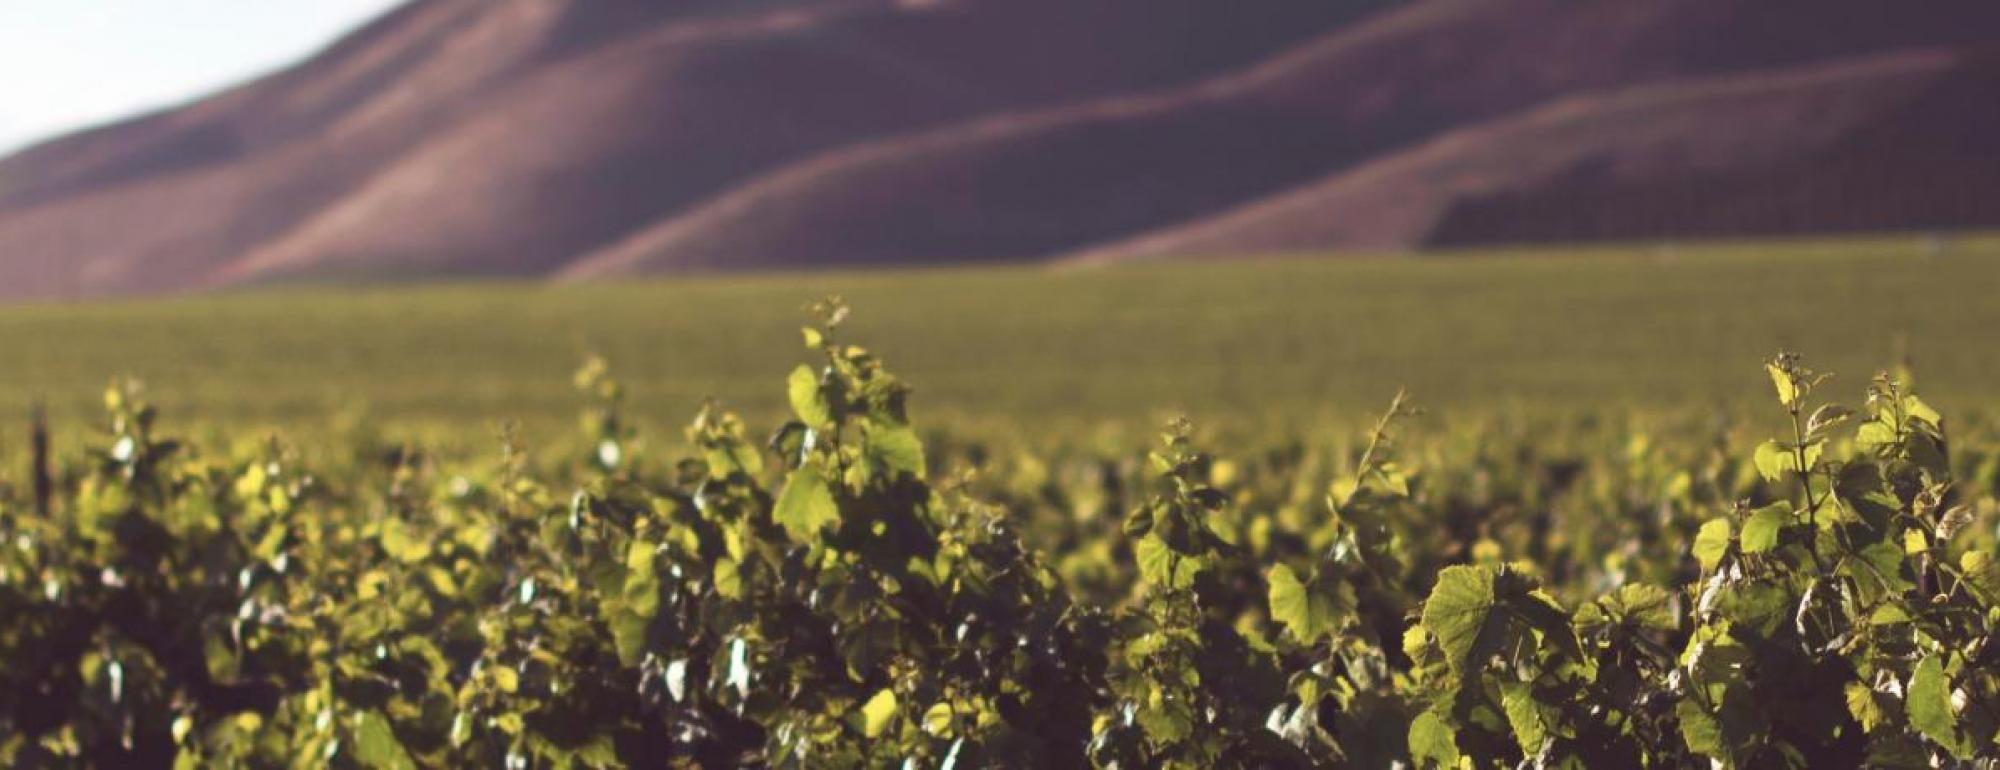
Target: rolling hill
<point>593,138</point>
<point>1820,149</point>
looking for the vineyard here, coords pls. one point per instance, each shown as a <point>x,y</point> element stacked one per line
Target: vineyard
<point>853,589</point>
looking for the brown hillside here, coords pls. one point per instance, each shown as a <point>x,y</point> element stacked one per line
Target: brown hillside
<point>1026,186</point>
<point>161,201</point>
<point>477,137</point>
<point>1632,163</point>
<point>665,120</point>
<point>609,137</point>
<point>1924,161</point>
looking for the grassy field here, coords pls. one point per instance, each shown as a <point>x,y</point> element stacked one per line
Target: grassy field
<point>1571,537</point>
<point>1255,342</point>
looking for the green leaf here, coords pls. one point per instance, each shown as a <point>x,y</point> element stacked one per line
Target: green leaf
<point>641,590</point>
<point>1635,604</point>
<point>1456,611</point>
<point>806,505</point>
<point>1827,417</point>
<point>1788,392</point>
<point>398,542</point>
<point>1897,752</point>
<point>1874,435</point>
<point>896,448</point>
<point>1757,604</point>
<point>1865,704</point>
<point>1773,460</point>
<point>505,679</point>
<point>1760,531</point>
<point>1736,726</point>
<point>1982,574</point>
<point>1929,704</point>
<point>1700,729</point>
<point>1888,613</point>
<point>1162,566</point>
<point>876,714</point>
<point>1432,741</point>
<point>728,578</point>
<point>1167,722</point>
<point>1524,715</point>
<point>939,720</point>
<point>1888,575</point>
<point>807,400</point>
<point>1916,408</point>
<point>628,634</point>
<point>1711,543</point>
<point>376,746</point>
<point>1308,610</point>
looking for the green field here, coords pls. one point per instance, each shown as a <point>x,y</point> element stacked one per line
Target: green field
<point>1282,340</point>
<point>1627,535</point>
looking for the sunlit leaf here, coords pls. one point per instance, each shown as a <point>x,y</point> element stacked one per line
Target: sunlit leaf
<point>808,401</point>
<point>806,505</point>
<point>1456,611</point>
<point>1711,543</point>
<point>1788,392</point>
<point>1929,704</point>
<point>877,713</point>
<point>1761,529</point>
<point>1774,460</point>
<point>376,746</point>
<point>1308,610</point>
<point>896,448</point>
<point>1432,741</point>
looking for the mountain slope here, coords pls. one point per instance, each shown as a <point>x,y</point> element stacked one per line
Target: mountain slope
<point>590,138</point>
<point>1026,186</point>
<point>1631,163</point>
<point>553,168</point>
<point>471,137</point>
<point>160,201</point>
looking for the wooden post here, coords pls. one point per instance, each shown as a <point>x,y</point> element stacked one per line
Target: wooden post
<point>40,471</point>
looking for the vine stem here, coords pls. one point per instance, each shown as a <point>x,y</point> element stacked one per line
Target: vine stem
<point>39,463</point>
<point>1805,480</point>
<point>1380,434</point>
<point>1376,437</point>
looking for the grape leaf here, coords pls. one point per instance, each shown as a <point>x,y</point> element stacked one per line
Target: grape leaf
<point>1929,704</point>
<point>806,505</point>
<point>1308,610</point>
<point>1760,531</point>
<point>376,746</point>
<point>896,448</point>
<point>1456,611</point>
<point>1432,741</point>
<point>802,388</point>
<point>1773,460</point>
<point>1711,543</point>
<point>876,714</point>
<point>1788,392</point>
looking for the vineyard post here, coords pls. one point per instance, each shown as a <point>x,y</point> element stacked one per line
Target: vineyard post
<point>39,437</point>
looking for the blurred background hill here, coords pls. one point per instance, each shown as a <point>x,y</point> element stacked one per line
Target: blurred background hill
<point>577,139</point>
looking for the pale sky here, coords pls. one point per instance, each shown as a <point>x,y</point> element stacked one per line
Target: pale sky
<point>68,64</point>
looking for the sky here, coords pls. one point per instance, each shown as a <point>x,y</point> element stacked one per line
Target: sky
<point>70,64</point>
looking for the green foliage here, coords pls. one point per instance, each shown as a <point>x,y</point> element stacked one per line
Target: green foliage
<point>1272,346</point>
<point>1308,610</point>
<point>854,593</point>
